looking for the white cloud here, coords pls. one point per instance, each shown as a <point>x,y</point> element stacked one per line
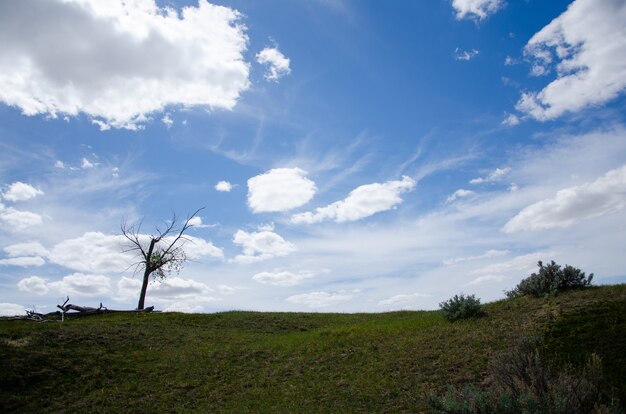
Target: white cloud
<point>402,299</point>
<point>26,249</point>
<point>465,55</point>
<point>495,175</point>
<point>19,220</point>
<point>486,279</point>
<point>59,164</point>
<point>177,292</point>
<point>259,246</point>
<point>511,120</point>
<point>92,252</point>
<point>82,284</point>
<point>23,261</point>
<point>196,248</point>
<point>226,290</point>
<point>279,189</point>
<point>34,285</point>
<point>19,191</point>
<point>100,253</point>
<point>476,9</point>
<point>115,172</point>
<point>282,278</point>
<point>86,164</point>
<point>277,64</point>
<point>605,195</point>
<point>197,222</point>
<point>362,202</point>
<point>487,255</point>
<point>320,299</point>
<point>167,120</point>
<point>120,60</point>
<point>224,186</point>
<point>509,61</point>
<point>184,308</point>
<point>11,309</point>
<point>128,288</point>
<point>513,267</point>
<point>176,289</point>
<point>589,42</point>
<point>460,193</point>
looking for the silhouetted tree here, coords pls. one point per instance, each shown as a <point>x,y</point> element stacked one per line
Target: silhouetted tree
<point>160,254</point>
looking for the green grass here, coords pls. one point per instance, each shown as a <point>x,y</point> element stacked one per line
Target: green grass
<point>289,362</point>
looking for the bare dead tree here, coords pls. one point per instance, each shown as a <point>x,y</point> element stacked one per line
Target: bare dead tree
<point>159,254</point>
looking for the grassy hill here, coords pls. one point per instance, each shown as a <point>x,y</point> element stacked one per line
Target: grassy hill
<point>291,362</point>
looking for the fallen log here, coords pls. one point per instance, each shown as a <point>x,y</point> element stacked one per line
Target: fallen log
<point>71,310</point>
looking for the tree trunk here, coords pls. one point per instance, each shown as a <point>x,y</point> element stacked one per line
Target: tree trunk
<point>146,275</point>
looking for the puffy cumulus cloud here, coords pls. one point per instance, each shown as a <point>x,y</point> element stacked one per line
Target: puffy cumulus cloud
<point>605,195</point>
<point>262,245</point>
<point>223,186</point>
<point>26,249</point>
<point>277,64</point>
<point>85,164</point>
<point>118,61</point>
<point>11,309</point>
<point>82,284</point>
<point>171,290</point>
<point>177,288</point>
<point>92,252</point>
<point>465,55</point>
<point>19,191</point>
<point>476,9</point>
<point>279,189</point>
<point>19,220</point>
<point>196,248</point>
<point>362,202</point>
<point>496,175</point>
<point>282,278</point>
<point>402,300</point>
<point>34,285</point>
<point>128,288</point>
<point>589,43</point>
<point>23,261</point>
<point>460,193</point>
<point>320,299</point>
<point>101,253</point>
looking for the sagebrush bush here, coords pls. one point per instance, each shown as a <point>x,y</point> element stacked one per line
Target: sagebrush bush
<point>550,280</point>
<point>461,307</point>
<point>520,381</point>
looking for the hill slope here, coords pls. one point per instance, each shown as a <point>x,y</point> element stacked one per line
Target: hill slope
<point>283,362</point>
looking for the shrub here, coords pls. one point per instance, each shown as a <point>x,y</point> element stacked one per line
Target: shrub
<point>520,381</point>
<point>550,280</point>
<point>461,307</point>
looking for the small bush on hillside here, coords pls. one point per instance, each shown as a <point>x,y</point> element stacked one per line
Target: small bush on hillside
<point>550,280</point>
<point>461,307</point>
<point>520,381</point>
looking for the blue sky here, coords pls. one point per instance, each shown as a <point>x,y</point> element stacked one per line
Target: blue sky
<point>350,156</point>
